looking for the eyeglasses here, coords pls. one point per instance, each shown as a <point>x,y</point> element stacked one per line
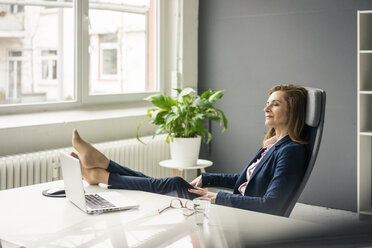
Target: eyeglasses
<point>177,203</point>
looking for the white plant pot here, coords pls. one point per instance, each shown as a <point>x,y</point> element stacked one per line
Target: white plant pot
<point>185,151</point>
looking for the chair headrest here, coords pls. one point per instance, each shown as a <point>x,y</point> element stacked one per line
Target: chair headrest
<point>313,107</point>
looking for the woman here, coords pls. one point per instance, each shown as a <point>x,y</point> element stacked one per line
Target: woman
<point>265,184</point>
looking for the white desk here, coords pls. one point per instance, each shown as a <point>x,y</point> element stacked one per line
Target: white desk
<point>178,171</point>
<point>30,219</point>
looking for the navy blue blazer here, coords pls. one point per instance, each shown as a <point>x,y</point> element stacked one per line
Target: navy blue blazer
<point>272,183</point>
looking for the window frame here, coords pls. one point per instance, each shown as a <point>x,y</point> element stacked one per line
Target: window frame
<point>81,61</point>
<point>88,99</point>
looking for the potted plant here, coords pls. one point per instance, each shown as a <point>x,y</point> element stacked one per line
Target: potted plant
<point>183,119</point>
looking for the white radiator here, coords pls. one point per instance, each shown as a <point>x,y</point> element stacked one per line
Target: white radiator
<point>39,167</point>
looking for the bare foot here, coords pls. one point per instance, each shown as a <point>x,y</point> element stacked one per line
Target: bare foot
<point>93,176</point>
<point>89,156</point>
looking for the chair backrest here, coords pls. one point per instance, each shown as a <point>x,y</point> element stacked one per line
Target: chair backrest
<point>315,110</point>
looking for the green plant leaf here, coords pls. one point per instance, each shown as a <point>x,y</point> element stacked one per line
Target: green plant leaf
<point>216,96</point>
<point>201,104</point>
<point>209,137</point>
<point>171,118</point>
<point>178,90</point>
<point>137,135</point>
<point>161,101</point>
<point>203,137</point>
<point>149,111</point>
<point>206,94</point>
<point>184,95</point>
<point>182,110</point>
<point>158,117</point>
<point>224,120</point>
<point>186,91</point>
<point>186,99</point>
<point>199,127</point>
<point>198,116</point>
<point>158,131</point>
<point>178,130</point>
<point>214,116</point>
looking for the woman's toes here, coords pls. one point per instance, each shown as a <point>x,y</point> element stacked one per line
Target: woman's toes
<point>77,142</point>
<point>74,155</point>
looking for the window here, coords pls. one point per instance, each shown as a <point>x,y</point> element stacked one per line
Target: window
<point>109,52</point>
<point>15,76</point>
<point>45,35</point>
<point>109,57</point>
<point>109,61</point>
<point>49,65</point>
<point>15,9</point>
<point>119,49</point>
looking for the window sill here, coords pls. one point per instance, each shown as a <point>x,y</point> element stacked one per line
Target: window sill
<point>90,113</point>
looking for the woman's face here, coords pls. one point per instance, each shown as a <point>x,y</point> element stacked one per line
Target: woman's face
<point>276,111</point>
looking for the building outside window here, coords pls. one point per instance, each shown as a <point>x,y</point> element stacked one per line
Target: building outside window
<point>120,51</point>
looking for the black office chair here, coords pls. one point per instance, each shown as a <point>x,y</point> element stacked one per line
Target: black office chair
<point>313,129</point>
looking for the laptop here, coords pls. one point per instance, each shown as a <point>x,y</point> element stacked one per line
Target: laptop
<point>93,202</point>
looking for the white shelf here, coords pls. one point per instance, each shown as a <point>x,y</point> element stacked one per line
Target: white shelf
<point>365,92</point>
<point>364,113</point>
<point>365,11</point>
<point>366,133</point>
<point>366,212</point>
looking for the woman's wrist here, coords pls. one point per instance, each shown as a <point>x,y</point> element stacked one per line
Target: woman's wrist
<point>213,199</point>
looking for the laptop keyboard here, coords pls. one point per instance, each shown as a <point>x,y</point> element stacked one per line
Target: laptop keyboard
<point>97,202</point>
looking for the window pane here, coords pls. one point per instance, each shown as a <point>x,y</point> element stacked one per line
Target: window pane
<point>11,81</point>
<point>19,77</point>
<point>44,69</point>
<point>109,38</point>
<point>120,48</point>
<point>109,61</point>
<point>54,69</point>
<point>15,54</point>
<point>33,39</point>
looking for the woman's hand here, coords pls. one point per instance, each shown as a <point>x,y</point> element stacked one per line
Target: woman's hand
<point>205,193</point>
<point>197,182</point>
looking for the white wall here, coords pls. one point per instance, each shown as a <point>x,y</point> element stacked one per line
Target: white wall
<point>43,131</point>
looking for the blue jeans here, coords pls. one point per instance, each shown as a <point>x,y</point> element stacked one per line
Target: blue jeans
<point>122,177</point>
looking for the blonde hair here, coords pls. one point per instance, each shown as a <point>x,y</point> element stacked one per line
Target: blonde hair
<point>296,99</point>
